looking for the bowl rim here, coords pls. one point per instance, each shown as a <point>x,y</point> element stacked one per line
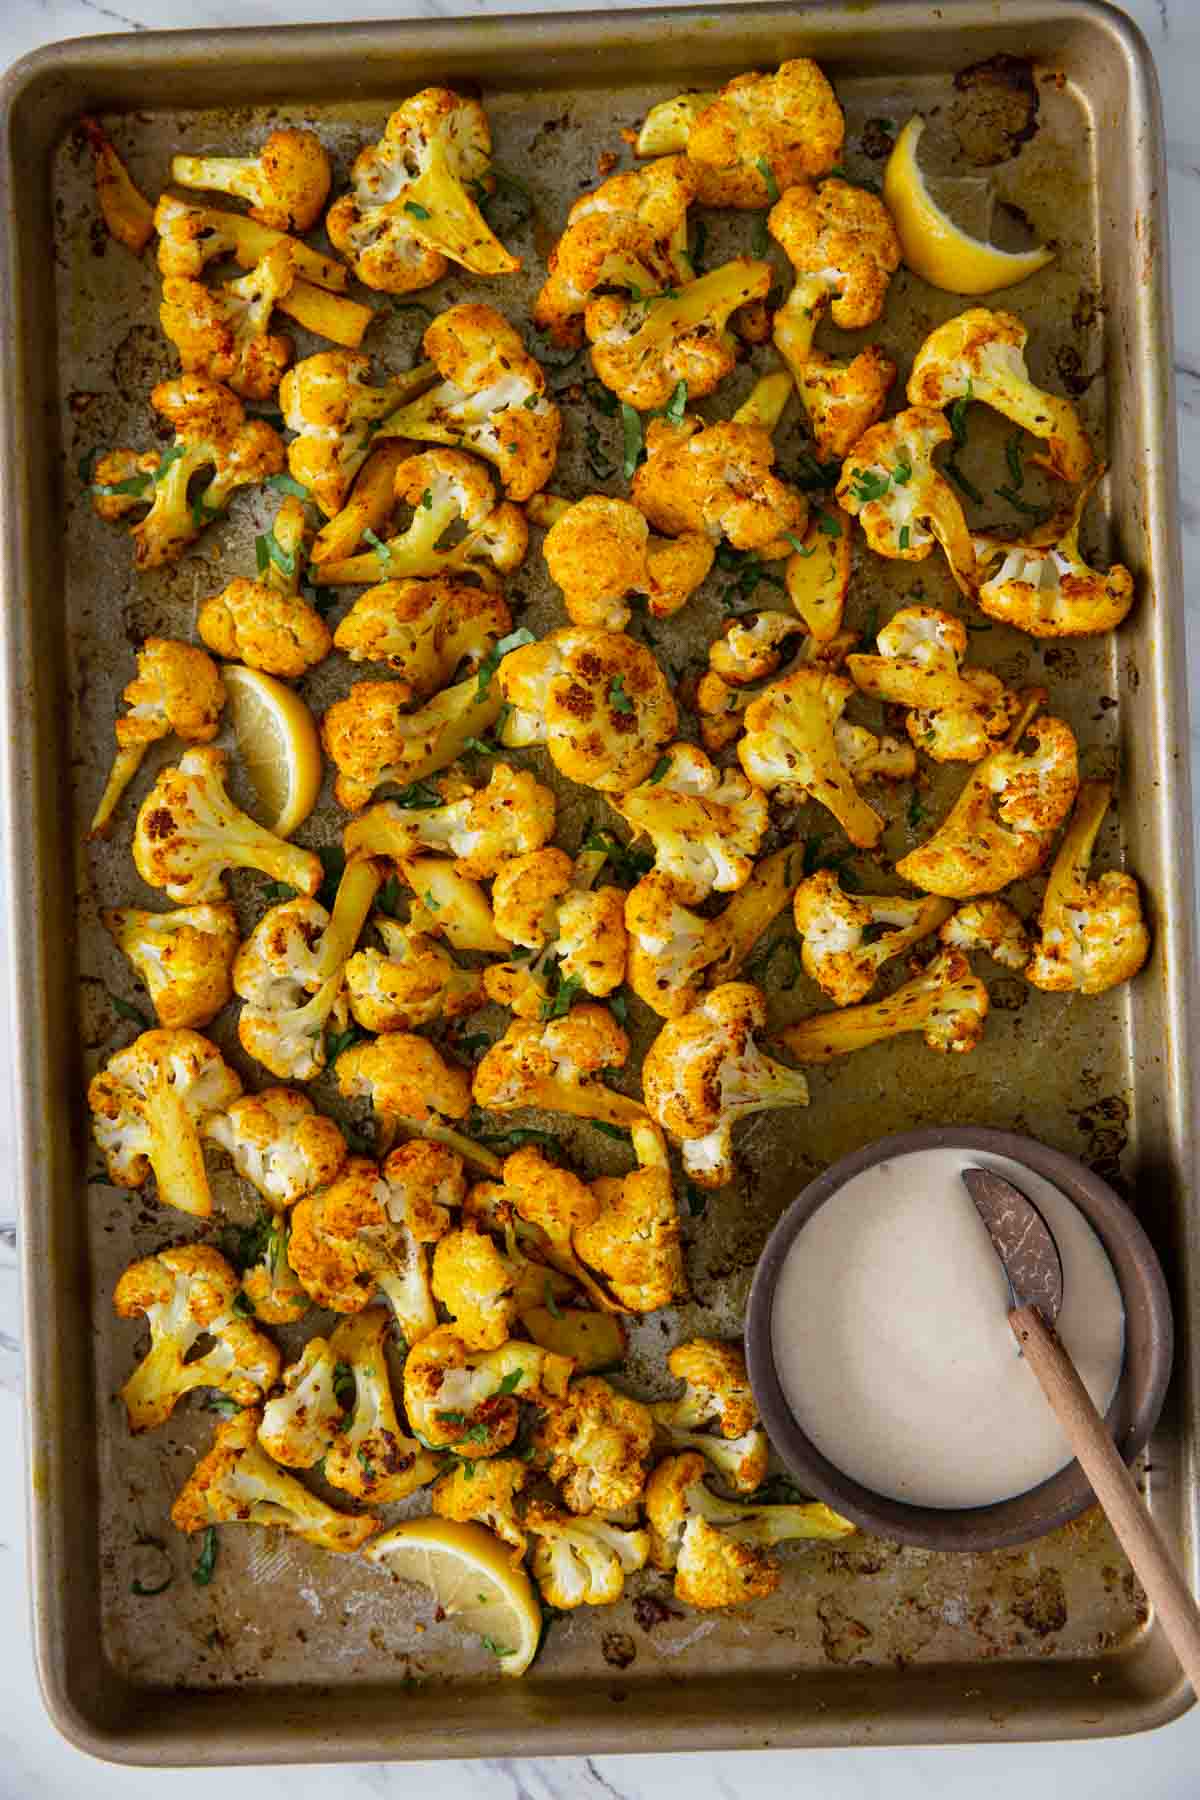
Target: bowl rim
<point>1136,1405</point>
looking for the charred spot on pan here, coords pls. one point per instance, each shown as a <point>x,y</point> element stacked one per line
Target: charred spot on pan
<point>1041,1605</point>
<point>618,1649</point>
<point>650,1610</point>
<point>878,139</point>
<point>996,110</point>
<point>1069,364</point>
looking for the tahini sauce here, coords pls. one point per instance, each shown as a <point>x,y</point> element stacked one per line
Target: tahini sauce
<point>891,1339</point>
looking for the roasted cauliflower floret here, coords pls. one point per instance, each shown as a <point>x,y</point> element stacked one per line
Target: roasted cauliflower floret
<point>818,574</point>
<point>596,699</point>
<point>956,714</point>
<point>716,1393</point>
<point>752,646</point>
<point>355,1237</point>
<point>270,1284</point>
<point>148,1105</point>
<point>185,1294</point>
<point>1091,933</point>
<point>634,1242</point>
<point>176,689</point>
<point>265,623</point>
<point>328,401</point>
<point>225,332</point>
<point>992,926</point>
<point>287,183</point>
<point>371,1457</point>
<point>716,481</point>
<point>484,829</point>
<point>843,247</point>
<point>643,349</point>
<point>299,1425</point>
<point>448,905</point>
<point>374,742</point>
<point>213,436</point>
<point>706,824</point>
<point>553,1204</point>
<point>979,355</point>
<point>486,1492</point>
<point>449,493</point>
<point>189,832</point>
<point>630,232</point>
<point>279,1143</point>
<point>889,483</point>
<point>185,958</point>
<point>545,902</point>
<point>491,399</point>
<point>424,630</point>
<point>408,1083</point>
<point>1041,584</point>
<point>557,1065</point>
<point>474,1282</point>
<point>797,744</point>
<point>191,236</point>
<point>674,952</point>
<point>758,134</point>
<point>705,1071</point>
<point>945,1002</point>
<point>410,212</point>
<point>600,551</point>
<point>582,1561</point>
<point>412,981</point>
<point>281,964</point>
<point>458,1398</point>
<point>597,1445</point>
<point>238,1482</point>
<point>1001,826</point>
<point>847,938</point>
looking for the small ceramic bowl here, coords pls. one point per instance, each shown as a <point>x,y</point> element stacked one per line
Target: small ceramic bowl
<point>1131,1417</point>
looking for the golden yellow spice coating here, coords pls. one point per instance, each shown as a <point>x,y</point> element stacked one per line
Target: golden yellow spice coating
<point>126,212</point>
<point>373,741</point>
<point>423,629</point>
<point>148,1105</point>
<point>413,981</point>
<point>955,713</point>
<point>177,689</point>
<point>597,1443</point>
<point>706,824</point>
<point>557,1064</point>
<point>300,1424</point>
<point>992,926</point>
<point>287,183</point>
<point>581,1561</point>
<point>330,404</point>
<point>643,349</point>
<point>225,332</point>
<point>455,1396</point>
<point>1091,934</point>
<point>474,1283</point>
<point>371,1457</point>
<point>1041,583</point>
<point>486,1492</point>
<point>944,1001</point>
<point>847,938</point>
<point>904,506</point>
<point>184,957</point>
<point>279,1143</point>
<point>634,1240</point>
<point>266,624</point>
<point>716,481</point>
<point>482,828</point>
<point>600,551</point>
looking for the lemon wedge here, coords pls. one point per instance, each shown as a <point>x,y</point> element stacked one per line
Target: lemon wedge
<point>468,1571</point>
<point>277,744</point>
<point>934,246</point>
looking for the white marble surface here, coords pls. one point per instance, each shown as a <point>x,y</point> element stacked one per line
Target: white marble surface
<point>1164,1766</point>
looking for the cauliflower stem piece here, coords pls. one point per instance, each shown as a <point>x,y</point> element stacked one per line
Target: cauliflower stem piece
<point>1091,933</point>
<point>946,1002</point>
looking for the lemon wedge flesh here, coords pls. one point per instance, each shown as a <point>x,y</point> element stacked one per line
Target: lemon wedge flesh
<point>934,246</point>
<point>469,1572</point>
<point>277,744</point>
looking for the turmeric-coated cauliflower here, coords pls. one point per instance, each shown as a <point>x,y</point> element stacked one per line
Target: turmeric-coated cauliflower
<point>424,629</point>
<point>266,624</point>
<point>225,332</point>
<point>847,938</point>
<point>287,183</point>
<point>818,574</point>
<point>1041,583</point>
<point>176,689</point>
<point>299,1425</point>
<point>889,483</point>
<point>354,1237</point>
<point>148,1105</point>
<point>582,1561</point>
<point>484,829</point>
<point>486,1492</point>
<point>706,824</point>
<point>945,1002</point>
<point>280,965</point>
<point>407,1082</point>
<point>992,926</point>
<point>184,957</point>
<point>600,551</point>
<point>335,412</point>
<point>597,1445</point>
<point>642,349</point>
<point>716,1393</point>
<point>474,1282</point>
<point>191,236</point>
<point>464,1399</point>
<point>716,481</point>
<point>597,700</point>
<point>633,1241</point>
<point>1091,933</point>
<point>279,1143</point>
<point>557,1065</point>
<point>955,714</point>
<point>374,742</point>
<point>546,903</point>
<point>413,981</point>
<point>371,1457</point>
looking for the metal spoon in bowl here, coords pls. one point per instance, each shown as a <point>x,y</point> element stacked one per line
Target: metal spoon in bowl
<point>1024,1244</point>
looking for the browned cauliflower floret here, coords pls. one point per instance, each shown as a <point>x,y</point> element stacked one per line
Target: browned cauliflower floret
<point>374,742</point>
<point>148,1105</point>
<point>185,1294</point>
<point>944,1001</point>
<point>238,1482</point>
<point>484,829</point>
<point>1001,826</point>
<point>843,246</point>
<point>212,435</point>
<point>716,1393</point>
<point>582,1561</point>
<point>189,832</point>
<point>424,630</point>
<point>889,483</point>
<point>600,551</point>
<point>979,356</point>
<point>706,824</point>
<point>176,689</point>
<point>279,1143</point>
<point>410,211</point>
<point>704,1071</point>
<point>486,1492</point>
<point>737,659</point>
<point>797,744</point>
<point>716,481</point>
<point>408,1083</point>
<point>643,349</point>
<point>989,925</point>
<point>412,981</point>
<point>270,1284</point>
<point>474,1283</point>
<point>597,1444</point>
<point>752,646</point>
<point>545,902</point>
<point>265,623</point>
<point>597,700</point>
<point>1041,583</point>
<point>460,1398</point>
<point>292,987</point>
<point>300,1424</point>
<point>191,236</point>
<point>371,1457</point>
<point>448,905</point>
<point>955,713</point>
<point>757,135</point>
<point>634,1240</point>
<point>847,938</point>
<point>538,1208</point>
<point>491,399</point>
<point>184,957</point>
<point>225,332</point>
<point>287,183</point>
<point>328,401</point>
<point>557,1065</point>
<point>1091,933</point>
<point>449,494</point>
<point>630,232</point>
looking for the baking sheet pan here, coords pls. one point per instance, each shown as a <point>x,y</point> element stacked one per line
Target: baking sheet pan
<point>293,1655</point>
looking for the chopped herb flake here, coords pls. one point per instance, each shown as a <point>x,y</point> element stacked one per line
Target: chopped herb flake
<point>418,211</point>
<point>491,663</point>
<point>618,698</point>
<point>768,174</point>
<point>287,484</point>
<point>635,449</point>
<point>206,1562</point>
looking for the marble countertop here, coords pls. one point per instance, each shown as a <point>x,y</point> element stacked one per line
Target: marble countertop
<point>1164,1766</point>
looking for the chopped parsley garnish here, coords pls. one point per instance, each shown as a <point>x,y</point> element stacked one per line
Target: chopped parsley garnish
<point>268,549</point>
<point>867,486</point>
<point>491,663</point>
<point>958,417</point>
<point>768,174</point>
<point>416,209</point>
<point>904,537</point>
<point>511,1382</point>
<point>902,473</point>
<point>828,526</point>
<point>620,1132</point>
<point>1009,493</point>
<point>798,545</point>
<point>560,1002</point>
<point>287,484</point>
<point>814,476</point>
<point>418,796</point>
<point>618,698</point>
<point>133,484</point>
<point>552,1306</point>
<point>697,1201</point>
<point>635,449</point>
<point>125,1010</point>
<point>962,481</point>
<point>662,767</point>
<point>337,1041</point>
<point>368,1467</point>
<point>1015,460</point>
<point>677,405</point>
<point>343,1384</point>
<point>917,811</point>
<point>383,551</point>
<point>628,865</point>
<point>148,1593</point>
<point>206,1562</point>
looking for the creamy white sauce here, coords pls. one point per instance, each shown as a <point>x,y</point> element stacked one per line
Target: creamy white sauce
<point>891,1339</point>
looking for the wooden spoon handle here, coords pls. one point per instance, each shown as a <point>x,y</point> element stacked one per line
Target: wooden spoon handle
<point>1139,1534</point>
